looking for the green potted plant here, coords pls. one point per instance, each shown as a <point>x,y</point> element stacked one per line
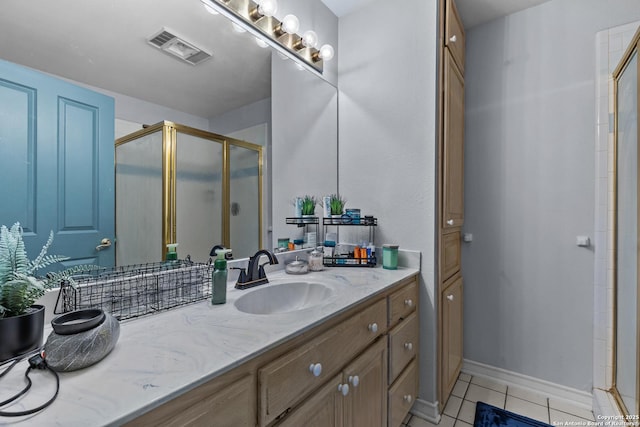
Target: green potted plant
<point>309,206</point>
<point>336,203</point>
<point>22,322</point>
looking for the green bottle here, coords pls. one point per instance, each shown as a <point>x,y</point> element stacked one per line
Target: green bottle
<point>219,278</point>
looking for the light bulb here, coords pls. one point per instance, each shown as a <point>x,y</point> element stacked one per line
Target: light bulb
<point>268,7</point>
<point>310,39</point>
<point>210,9</point>
<point>263,44</point>
<point>290,24</point>
<point>326,52</point>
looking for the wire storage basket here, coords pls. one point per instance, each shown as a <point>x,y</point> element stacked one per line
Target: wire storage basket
<point>136,290</point>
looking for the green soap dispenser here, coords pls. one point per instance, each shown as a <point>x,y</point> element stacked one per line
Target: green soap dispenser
<point>219,278</point>
<point>172,253</point>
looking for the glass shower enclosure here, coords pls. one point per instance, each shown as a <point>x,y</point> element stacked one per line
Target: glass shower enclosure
<point>626,347</point>
<point>177,184</point>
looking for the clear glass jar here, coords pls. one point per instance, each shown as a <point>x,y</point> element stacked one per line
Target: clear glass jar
<point>315,259</point>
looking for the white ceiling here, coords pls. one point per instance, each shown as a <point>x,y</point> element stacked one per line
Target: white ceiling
<point>473,12</point>
<point>476,12</point>
<point>103,43</point>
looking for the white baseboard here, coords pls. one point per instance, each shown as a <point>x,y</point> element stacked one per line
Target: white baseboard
<point>578,397</point>
<point>426,410</point>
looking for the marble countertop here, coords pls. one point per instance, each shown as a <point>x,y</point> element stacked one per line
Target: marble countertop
<point>160,356</point>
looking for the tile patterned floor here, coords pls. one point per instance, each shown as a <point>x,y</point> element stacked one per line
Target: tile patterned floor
<point>461,407</point>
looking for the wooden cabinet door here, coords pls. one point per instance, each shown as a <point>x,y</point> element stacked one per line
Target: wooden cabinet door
<point>322,409</point>
<point>231,405</point>
<point>453,145</point>
<point>454,34</point>
<point>366,402</point>
<point>450,254</point>
<point>402,394</point>
<point>451,329</point>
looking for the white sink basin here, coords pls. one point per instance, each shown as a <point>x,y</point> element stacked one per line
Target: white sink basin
<point>283,297</point>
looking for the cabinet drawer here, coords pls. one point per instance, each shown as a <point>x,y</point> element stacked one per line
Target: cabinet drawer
<point>403,345</point>
<point>450,254</point>
<point>287,380</point>
<point>402,303</point>
<point>454,34</point>
<point>402,394</point>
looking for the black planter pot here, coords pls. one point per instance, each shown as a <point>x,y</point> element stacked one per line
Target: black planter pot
<point>21,334</point>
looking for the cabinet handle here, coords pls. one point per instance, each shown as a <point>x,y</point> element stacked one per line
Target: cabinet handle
<point>453,38</point>
<point>344,389</point>
<point>408,346</point>
<point>407,398</point>
<point>408,302</point>
<point>354,380</point>
<point>315,369</point>
<point>450,221</point>
<point>450,297</point>
<point>373,327</point>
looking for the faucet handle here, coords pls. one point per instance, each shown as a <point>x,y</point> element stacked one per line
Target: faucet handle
<point>261,273</point>
<point>242,278</point>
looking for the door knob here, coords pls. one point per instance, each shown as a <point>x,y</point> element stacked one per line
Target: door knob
<point>373,327</point>
<point>450,297</point>
<point>354,380</point>
<point>315,369</point>
<point>344,389</point>
<point>104,243</point>
<point>450,221</point>
<point>453,38</point>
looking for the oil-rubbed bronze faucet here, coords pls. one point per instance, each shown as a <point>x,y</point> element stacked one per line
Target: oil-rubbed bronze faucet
<point>255,274</point>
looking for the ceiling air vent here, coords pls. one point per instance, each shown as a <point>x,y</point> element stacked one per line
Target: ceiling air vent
<point>169,42</point>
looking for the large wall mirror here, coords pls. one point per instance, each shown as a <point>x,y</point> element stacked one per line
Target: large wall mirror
<point>626,377</point>
<point>105,46</point>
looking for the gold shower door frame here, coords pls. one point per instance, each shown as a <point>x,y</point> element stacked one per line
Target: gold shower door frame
<point>170,132</point>
<point>617,74</point>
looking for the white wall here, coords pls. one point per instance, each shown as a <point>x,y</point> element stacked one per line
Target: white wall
<point>529,188</point>
<point>305,148</point>
<point>244,117</point>
<point>387,128</point>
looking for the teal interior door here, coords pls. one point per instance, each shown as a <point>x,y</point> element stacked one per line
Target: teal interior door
<point>57,164</point>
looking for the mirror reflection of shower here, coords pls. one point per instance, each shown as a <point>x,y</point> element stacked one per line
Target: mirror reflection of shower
<point>174,186</point>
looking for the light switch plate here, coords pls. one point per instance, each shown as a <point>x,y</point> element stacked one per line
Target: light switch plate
<point>583,241</point>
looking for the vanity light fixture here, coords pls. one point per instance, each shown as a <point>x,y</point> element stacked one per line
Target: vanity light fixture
<point>290,25</point>
<point>211,10</point>
<point>264,8</point>
<point>256,17</point>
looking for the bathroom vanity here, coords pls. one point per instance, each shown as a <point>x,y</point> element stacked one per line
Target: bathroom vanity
<point>357,368</point>
<point>347,358</point>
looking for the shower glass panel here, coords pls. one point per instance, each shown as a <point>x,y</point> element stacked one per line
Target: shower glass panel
<point>245,200</point>
<point>174,184</point>
<point>626,362</point>
<point>139,200</point>
<point>199,195</point>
